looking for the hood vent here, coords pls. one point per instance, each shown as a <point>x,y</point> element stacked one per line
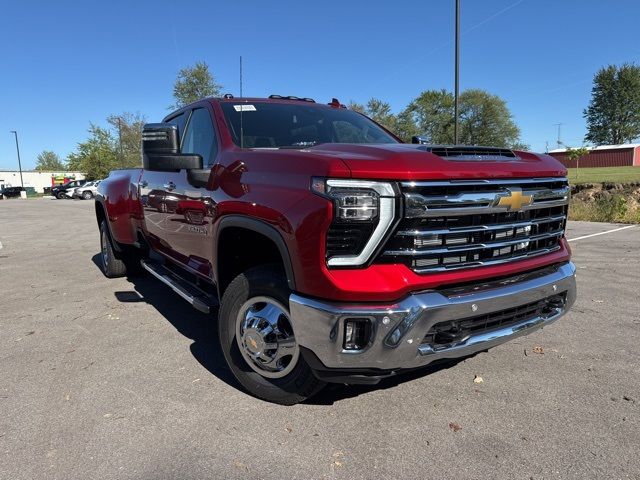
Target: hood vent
<point>469,153</point>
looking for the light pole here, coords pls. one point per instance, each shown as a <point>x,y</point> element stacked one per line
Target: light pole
<point>457,81</point>
<point>19,163</point>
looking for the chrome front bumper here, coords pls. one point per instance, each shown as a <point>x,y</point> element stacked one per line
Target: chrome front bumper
<point>399,329</point>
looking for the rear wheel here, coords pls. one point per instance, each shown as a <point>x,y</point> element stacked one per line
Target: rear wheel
<point>61,196</point>
<point>112,267</point>
<point>258,339</point>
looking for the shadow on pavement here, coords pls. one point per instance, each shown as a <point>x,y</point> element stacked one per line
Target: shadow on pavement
<point>202,329</point>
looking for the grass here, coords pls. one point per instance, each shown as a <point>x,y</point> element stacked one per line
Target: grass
<point>615,209</point>
<point>604,174</point>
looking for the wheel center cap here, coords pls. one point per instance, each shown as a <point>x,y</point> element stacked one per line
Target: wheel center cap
<point>253,342</point>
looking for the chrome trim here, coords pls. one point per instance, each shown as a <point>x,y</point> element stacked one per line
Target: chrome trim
<point>472,203</point>
<point>481,228</point>
<point>470,247</point>
<point>319,325</point>
<point>499,181</point>
<point>489,339</point>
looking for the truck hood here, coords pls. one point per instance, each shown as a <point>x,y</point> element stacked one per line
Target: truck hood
<point>405,161</point>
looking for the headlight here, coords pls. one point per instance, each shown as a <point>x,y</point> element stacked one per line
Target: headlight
<point>363,214</point>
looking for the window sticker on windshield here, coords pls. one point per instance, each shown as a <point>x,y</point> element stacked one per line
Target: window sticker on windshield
<point>245,108</point>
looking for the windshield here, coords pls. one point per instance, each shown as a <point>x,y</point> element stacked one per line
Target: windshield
<point>288,125</point>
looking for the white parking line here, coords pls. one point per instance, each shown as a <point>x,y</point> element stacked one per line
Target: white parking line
<point>0,245</point>
<point>601,233</point>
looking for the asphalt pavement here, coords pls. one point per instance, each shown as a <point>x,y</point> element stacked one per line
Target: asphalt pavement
<point>117,379</point>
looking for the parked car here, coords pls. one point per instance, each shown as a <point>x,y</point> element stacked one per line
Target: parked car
<point>86,191</point>
<point>11,192</point>
<point>336,252</point>
<point>59,191</point>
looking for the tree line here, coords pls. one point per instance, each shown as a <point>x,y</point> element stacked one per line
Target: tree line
<point>612,117</point>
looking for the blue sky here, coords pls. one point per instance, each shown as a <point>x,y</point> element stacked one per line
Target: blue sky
<point>66,63</point>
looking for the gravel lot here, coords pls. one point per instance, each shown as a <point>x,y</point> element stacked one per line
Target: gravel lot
<point>104,379</point>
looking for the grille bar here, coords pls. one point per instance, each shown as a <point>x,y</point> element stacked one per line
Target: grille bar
<point>474,246</point>
<point>485,263</point>
<point>481,228</point>
<point>470,203</point>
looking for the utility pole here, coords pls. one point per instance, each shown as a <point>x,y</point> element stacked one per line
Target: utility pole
<point>457,81</point>
<point>559,142</point>
<point>19,163</point>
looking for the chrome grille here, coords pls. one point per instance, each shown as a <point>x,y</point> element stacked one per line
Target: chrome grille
<point>453,225</point>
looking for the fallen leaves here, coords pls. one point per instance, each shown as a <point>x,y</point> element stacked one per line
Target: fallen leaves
<point>455,427</point>
<point>539,350</point>
<point>477,379</point>
<point>338,459</point>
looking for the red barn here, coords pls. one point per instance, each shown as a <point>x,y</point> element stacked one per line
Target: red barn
<point>603,156</point>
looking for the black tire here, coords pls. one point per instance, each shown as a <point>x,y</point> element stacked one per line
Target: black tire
<point>87,195</point>
<point>112,267</point>
<point>262,281</point>
<point>61,196</point>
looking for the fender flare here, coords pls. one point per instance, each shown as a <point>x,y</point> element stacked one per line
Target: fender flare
<point>99,203</point>
<point>263,228</point>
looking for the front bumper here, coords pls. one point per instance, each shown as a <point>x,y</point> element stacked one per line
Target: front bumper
<point>398,330</point>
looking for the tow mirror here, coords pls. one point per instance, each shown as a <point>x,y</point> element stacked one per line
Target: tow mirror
<point>161,149</point>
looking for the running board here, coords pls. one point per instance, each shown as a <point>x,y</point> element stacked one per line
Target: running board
<point>199,299</point>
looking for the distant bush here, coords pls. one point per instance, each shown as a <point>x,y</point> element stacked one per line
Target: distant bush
<point>615,208</point>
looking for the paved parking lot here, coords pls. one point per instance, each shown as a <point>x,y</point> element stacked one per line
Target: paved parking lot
<point>104,379</point>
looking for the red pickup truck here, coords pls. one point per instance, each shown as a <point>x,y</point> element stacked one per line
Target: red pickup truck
<point>330,250</point>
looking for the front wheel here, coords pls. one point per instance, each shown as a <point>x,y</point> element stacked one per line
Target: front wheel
<point>87,195</point>
<point>258,339</point>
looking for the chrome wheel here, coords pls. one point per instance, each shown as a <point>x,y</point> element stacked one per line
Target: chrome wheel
<point>265,337</point>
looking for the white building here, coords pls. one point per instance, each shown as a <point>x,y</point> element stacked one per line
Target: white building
<point>37,180</point>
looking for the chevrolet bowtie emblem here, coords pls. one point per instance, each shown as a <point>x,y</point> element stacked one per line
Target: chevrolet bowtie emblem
<point>514,199</point>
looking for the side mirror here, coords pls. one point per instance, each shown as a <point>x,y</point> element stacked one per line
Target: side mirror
<point>161,149</point>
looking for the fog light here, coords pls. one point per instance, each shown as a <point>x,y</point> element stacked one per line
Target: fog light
<point>356,333</point>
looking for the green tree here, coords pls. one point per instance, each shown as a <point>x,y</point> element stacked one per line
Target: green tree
<point>357,107</point>
<point>613,115</point>
<point>126,128</point>
<point>96,156</point>
<point>49,161</point>
<point>194,83</point>
<point>484,119</point>
<point>430,116</point>
<point>576,154</point>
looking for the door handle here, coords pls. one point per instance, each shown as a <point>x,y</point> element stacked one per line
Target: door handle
<point>169,186</point>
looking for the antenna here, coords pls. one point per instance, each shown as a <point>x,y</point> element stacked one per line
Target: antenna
<point>241,108</point>
<point>559,142</point>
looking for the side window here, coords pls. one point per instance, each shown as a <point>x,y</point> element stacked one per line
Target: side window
<point>200,137</point>
<point>179,121</point>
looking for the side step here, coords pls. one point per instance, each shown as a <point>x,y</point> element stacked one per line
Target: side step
<point>198,298</point>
